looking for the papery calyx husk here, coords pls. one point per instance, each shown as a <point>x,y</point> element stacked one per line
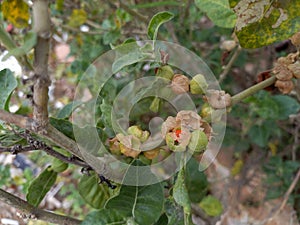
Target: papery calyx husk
<point>177,131</point>
<point>180,84</point>
<point>218,99</point>
<point>129,145</point>
<point>285,87</point>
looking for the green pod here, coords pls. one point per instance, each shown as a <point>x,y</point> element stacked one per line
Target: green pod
<point>198,84</point>
<point>165,72</point>
<point>198,141</point>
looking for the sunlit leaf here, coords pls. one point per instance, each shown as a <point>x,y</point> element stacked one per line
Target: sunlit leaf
<point>40,186</point>
<point>180,192</point>
<point>16,12</point>
<point>8,83</point>
<point>92,192</point>
<point>156,21</point>
<point>211,206</point>
<point>218,11</point>
<point>264,22</point>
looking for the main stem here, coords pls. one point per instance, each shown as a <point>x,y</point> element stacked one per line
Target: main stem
<point>41,25</point>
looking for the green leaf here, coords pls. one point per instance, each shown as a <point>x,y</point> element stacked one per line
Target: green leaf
<point>30,40</point>
<point>67,110</point>
<point>143,203</point>
<point>92,192</point>
<point>156,21</point>
<point>163,220</point>
<point>287,106</point>
<point>211,206</point>
<point>64,126</point>
<point>180,192</point>
<point>262,23</point>
<point>218,11</point>
<point>196,182</point>
<point>174,213</point>
<point>58,165</point>
<point>259,134</point>
<point>40,186</point>
<point>8,83</point>
<point>104,217</point>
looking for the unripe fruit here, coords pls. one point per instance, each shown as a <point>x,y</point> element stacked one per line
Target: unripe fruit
<point>138,132</point>
<point>198,84</point>
<point>173,144</point>
<point>165,72</point>
<point>180,84</point>
<point>206,112</point>
<point>198,141</point>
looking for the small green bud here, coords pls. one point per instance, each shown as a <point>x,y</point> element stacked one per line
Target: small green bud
<point>165,72</point>
<point>198,84</point>
<point>198,141</point>
<point>154,107</point>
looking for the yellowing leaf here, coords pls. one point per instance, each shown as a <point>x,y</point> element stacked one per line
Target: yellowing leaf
<point>237,167</point>
<point>263,22</point>
<point>16,12</point>
<point>77,18</point>
<point>211,206</point>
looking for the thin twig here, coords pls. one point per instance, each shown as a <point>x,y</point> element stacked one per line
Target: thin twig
<point>286,196</point>
<point>230,64</point>
<point>35,213</point>
<point>132,12</point>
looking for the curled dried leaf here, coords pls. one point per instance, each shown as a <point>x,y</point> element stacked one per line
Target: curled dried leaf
<point>169,125</point>
<point>284,87</point>
<point>180,84</point>
<point>114,146</point>
<point>218,99</point>
<point>189,119</point>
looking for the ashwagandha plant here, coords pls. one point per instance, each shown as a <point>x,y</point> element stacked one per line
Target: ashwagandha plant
<point>119,177</point>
